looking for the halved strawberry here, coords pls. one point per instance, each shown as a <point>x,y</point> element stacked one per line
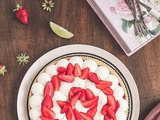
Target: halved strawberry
<point>70,114</point>
<point>106,118</point>
<point>46,112</point>
<point>64,109</point>
<point>62,103</point>
<point>77,114</point>
<point>74,99</point>
<point>61,69</point>
<point>89,102</point>
<point>47,101</point>
<point>104,109</point>
<point>75,90</point>
<point>111,113</point>
<point>69,69</point>
<point>117,106</point>
<point>77,70</point>
<point>85,73</point>
<point>92,112</point>
<point>103,84</point>
<point>107,91</point>
<point>94,105</point>
<point>111,101</point>
<point>93,77</point>
<point>86,116</point>
<point>48,90</point>
<point>71,94</point>
<point>56,83</point>
<point>66,78</point>
<point>89,94</point>
<point>83,95</point>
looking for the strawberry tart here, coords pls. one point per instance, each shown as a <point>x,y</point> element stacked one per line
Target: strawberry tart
<point>78,88</point>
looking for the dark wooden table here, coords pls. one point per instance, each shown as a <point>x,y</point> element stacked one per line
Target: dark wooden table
<point>36,38</point>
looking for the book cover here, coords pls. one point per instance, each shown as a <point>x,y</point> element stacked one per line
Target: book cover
<point>119,20</point>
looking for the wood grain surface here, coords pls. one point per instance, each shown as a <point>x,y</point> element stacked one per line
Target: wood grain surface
<point>36,38</point>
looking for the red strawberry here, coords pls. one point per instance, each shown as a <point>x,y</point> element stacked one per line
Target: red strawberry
<point>86,116</point>
<point>2,69</point>
<point>62,103</point>
<point>75,89</point>
<point>56,83</point>
<point>83,95</point>
<point>61,69</point>
<point>46,112</point>
<point>103,84</point>
<point>66,78</point>
<point>89,94</point>
<point>48,90</point>
<point>45,118</point>
<point>71,94</point>
<point>104,109</point>
<point>64,109</point>
<point>108,91</point>
<point>21,14</point>
<point>93,77</point>
<point>106,117</point>
<point>92,112</point>
<point>47,101</point>
<point>70,114</point>
<point>94,105</point>
<point>74,99</point>
<point>85,73</point>
<point>89,102</point>
<point>69,69</point>
<point>111,101</point>
<point>111,113</point>
<point>77,114</point>
<point>77,70</point>
<point>117,106</point>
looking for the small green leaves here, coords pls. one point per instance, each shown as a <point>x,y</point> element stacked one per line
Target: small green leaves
<point>22,59</point>
<point>48,5</point>
<point>127,24</point>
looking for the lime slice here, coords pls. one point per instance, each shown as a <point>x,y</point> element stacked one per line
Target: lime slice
<point>60,31</point>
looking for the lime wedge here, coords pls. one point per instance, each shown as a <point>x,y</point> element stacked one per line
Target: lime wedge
<point>60,31</point>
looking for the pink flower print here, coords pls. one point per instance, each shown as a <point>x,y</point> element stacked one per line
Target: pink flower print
<point>113,10</point>
<point>123,10</point>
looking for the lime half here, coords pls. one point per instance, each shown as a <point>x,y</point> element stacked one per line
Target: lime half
<point>60,31</point>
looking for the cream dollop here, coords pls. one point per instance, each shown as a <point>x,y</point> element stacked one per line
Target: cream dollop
<point>62,63</point>
<point>35,113</point>
<point>75,60</point>
<point>113,79</point>
<point>37,89</point>
<point>90,85</point>
<point>35,101</point>
<point>65,88</point>
<point>102,72</point>
<point>43,78</point>
<point>59,96</point>
<point>91,64</point>
<point>78,82</point>
<point>118,92</point>
<point>51,70</point>
<point>57,111</point>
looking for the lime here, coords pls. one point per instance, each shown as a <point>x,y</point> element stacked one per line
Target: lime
<point>60,31</point>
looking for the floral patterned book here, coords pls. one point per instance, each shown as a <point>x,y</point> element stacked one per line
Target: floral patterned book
<point>118,18</point>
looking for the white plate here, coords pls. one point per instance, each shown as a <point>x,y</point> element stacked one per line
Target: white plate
<point>69,50</point>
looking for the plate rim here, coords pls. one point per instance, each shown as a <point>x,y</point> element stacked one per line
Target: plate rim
<point>47,57</point>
